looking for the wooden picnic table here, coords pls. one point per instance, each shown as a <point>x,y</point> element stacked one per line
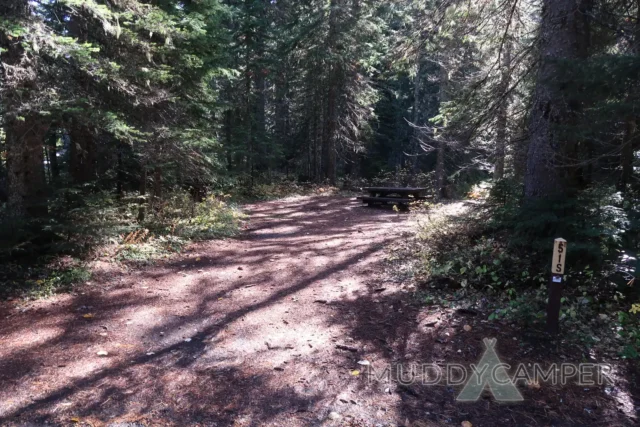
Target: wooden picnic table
<point>398,191</point>
<point>394,195</point>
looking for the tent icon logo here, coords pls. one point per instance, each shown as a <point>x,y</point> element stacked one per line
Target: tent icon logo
<point>490,373</point>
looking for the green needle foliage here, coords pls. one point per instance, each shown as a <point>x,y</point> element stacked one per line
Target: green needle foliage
<point>130,123</point>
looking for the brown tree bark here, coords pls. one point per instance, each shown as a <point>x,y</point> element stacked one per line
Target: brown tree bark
<point>25,129</point>
<point>248,78</point>
<point>331,135</point>
<point>440,169</point>
<point>158,159</point>
<point>228,134</point>
<point>26,182</point>
<point>142,202</point>
<point>52,150</point>
<point>442,147</point>
<point>627,153</point>
<point>503,112</point>
<point>249,125</point>
<point>259,108</point>
<point>314,164</point>
<point>562,37</point>
<point>417,83</point>
<point>157,183</point>
<point>313,145</point>
<point>120,172</point>
<point>82,153</point>
<point>282,110</point>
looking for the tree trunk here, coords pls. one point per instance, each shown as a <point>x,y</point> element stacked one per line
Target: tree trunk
<point>282,111</point>
<point>259,132</point>
<point>248,113</point>
<point>417,104</point>
<point>332,129</point>
<point>82,153</point>
<point>442,147</point>
<point>415,142</point>
<point>260,71</point>
<point>228,131</point>
<point>120,172</point>
<point>157,183</point>
<point>627,153</point>
<point>503,112</point>
<point>330,140</point>
<point>313,135</point>
<point>24,128</point>
<point>281,82</point>
<point>440,170</point>
<point>562,37</point>
<point>157,174</point>
<point>16,187</point>
<point>143,192</point>
<point>26,180</point>
<point>52,150</point>
<point>313,167</point>
<point>249,127</point>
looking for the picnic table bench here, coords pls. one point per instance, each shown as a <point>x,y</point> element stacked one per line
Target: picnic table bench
<point>393,195</point>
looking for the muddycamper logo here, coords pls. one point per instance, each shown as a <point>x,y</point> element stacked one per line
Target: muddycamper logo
<point>491,374</point>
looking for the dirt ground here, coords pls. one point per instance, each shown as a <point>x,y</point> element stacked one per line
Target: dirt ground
<point>267,330</point>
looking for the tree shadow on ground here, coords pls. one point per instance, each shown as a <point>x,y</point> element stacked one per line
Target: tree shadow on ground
<point>396,331</point>
<point>268,329</point>
<point>185,337</point>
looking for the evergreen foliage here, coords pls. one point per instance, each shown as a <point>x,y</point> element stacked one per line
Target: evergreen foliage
<point>112,112</point>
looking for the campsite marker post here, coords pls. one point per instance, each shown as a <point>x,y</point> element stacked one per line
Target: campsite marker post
<point>555,285</point>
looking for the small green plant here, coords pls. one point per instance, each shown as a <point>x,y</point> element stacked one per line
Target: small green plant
<point>629,331</point>
<point>48,283</point>
<point>179,221</point>
<point>87,223</point>
<point>525,307</point>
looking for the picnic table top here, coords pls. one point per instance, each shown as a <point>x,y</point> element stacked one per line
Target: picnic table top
<point>395,189</point>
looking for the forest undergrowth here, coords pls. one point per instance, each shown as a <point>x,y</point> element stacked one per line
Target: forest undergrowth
<point>469,254</point>
<point>43,256</point>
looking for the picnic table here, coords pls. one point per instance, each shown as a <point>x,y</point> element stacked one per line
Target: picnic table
<point>394,195</point>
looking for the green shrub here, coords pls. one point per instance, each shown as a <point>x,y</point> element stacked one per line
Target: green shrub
<point>43,281</point>
<point>211,218</point>
<point>593,222</point>
<point>81,224</point>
